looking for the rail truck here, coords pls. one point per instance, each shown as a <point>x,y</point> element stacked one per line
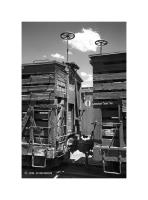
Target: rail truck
<point>51,109</point>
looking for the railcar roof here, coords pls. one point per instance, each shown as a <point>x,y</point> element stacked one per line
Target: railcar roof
<point>106,54</point>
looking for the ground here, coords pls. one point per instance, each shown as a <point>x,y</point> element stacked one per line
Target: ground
<point>73,168</point>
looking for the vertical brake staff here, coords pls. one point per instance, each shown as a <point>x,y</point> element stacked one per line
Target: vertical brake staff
<point>101,43</point>
<point>67,36</point>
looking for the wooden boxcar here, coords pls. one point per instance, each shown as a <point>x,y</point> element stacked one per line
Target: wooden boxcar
<point>50,110</point>
<point>109,103</point>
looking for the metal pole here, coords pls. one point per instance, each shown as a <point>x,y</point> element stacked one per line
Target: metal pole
<point>67,36</point>
<point>101,49</point>
<point>67,50</point>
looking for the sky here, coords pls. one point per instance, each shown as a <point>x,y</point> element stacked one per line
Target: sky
<point>41,40</point>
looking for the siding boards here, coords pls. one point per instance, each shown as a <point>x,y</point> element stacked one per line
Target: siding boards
<point>42,123</point>
<point>124,106</point>
<point>41,115</point>
<point>109,77</point>
<point>45,105</point>
<point>61,75</point>
<point>40,88</point>
<point>71,93</point>
<point>38,96</point>
<point>60,83</point>
<point>110,95</point>
<point>109,58</point>
<point>42,79</point>
<point>110,86</point>
<point>38,68</point>
<point>113,68</point>
<point>70,121</point>
<point>106,142</point>
<point>60,94</point>
<point>109,113</point>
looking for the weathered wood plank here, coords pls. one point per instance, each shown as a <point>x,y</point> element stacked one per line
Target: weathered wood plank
<point>46,105</point>
<point>106,142</point>
<point>38,88</point>
<point>114,151</point>
<point>110,124</point>
<point>123,105</point>
<point>110,86</point>
<point>60,94</point>
<point>110,102</point>
<point>39,68</point>
<point>38,96</point>
<point>49,105</point>
<point>114,159</point>
<point>61,74</point>
<point>102,68</point>
<point>109,58</point>
<point>109,113</point>
<point>41,115</point>
<point>110,95</point>
<point>39,79</point>
<point>50,75</point>
<point>71,93</point>
<point>59,78</point>
<point>108,77</point>
<point>41,123</point>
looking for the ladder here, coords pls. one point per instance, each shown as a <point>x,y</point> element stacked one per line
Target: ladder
<point>119,156</point>
<point>26,118</point>
<point>105,170</point>
<point>33,160</point>
<point>60,118</point>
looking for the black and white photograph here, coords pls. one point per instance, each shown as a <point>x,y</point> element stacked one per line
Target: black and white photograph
<point>73,100</point>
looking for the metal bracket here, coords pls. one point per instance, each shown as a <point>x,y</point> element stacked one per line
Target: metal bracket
<point>33,160</point>
<point>111,172</point>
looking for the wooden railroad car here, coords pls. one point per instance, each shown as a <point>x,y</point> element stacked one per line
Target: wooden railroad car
<point>109,103</point>
<point>50,110</point>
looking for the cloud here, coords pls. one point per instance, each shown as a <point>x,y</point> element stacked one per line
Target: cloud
<point>90,78</point>
<point>58,56</point>
<point>85,40</point>
<point>87,79</point>
<point>83,73</point>
<point>44,56</point>
<point>87,84</point>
